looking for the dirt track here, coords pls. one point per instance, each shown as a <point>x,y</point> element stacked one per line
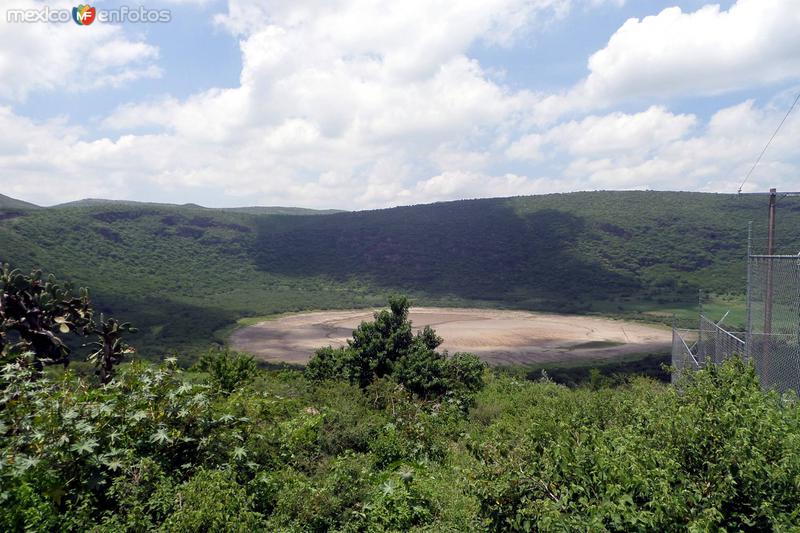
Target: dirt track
<point>498,337</point>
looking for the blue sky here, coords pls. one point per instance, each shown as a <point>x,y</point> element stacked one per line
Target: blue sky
<point>194,54</point>
<point>363,104</point>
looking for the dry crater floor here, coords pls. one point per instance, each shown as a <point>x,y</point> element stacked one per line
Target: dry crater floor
<point>498,337</point>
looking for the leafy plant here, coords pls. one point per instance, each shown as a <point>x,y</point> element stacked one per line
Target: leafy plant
<point>720,455</point>
<point>213,501</point>
<point>157,448</point>
<point>227,370</point>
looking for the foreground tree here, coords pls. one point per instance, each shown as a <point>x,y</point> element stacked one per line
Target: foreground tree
<point>34,313</point>
<point>388,348</point>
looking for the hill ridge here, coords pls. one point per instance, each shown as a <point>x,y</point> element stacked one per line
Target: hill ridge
<point>181,273</point>
<point>7,202</point>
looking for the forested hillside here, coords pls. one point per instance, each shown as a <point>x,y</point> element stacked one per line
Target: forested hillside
<point>180,273</point>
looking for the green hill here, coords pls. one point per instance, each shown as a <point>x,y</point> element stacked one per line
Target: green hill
<point>8,203</point>
<point>254,210</point>
<point>183,272</point>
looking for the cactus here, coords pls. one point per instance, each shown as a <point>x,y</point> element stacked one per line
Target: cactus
<point>36,312</point>
<point>110,349</point>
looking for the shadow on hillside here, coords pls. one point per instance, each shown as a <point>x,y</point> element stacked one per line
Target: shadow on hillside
<point>166,326</point>
<point>473,250</point>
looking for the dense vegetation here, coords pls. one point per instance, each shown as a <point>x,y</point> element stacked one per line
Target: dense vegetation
<point>597,373</point>
<point>181,273</point>
<point>159,448</point>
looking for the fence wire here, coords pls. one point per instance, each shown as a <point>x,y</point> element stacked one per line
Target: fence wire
<point>715,344</point>
<point>684,356</point>
<point>773,336</point>
<point>772,339</point>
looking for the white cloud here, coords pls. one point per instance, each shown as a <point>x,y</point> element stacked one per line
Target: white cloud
<point>64,56</point>
<point>621,132</point>
<point>351,91</point>
<point>50,161</point>
<point>707,51</point>
<point>527,147</point>
<point>282,166</point>
<point>714,159</point>
<point>598,135</point>
<point>360,104</point>
<point>461,184</point>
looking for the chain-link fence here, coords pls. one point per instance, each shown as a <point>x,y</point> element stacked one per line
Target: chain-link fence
<point>772,339</point>
<point>684,352</point>
<point>715,344</point>
<point>773,333</point>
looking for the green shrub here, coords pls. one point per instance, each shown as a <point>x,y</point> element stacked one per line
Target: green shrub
<point>299,503</point>
<point>228,370</point>
<point>398,504</point>
<point>721,454</point>
<point>153,450</point>
<point>329,364</point>
<point>144,495</point>
<point>351,420</point>
<point>212,501</point>
<point>415,433</point>
<point>71,442</point>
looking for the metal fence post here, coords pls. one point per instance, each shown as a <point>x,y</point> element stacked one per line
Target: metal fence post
<point>749,323</point>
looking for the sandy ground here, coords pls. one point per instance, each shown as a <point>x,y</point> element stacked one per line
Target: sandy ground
<point>498,337</point>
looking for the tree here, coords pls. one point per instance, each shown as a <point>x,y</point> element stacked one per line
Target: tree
<point>380,343</point>
<point>34,312</point>
<point>388,347</point>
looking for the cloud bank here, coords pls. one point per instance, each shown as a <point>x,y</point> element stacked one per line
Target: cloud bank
<point>362,104</point>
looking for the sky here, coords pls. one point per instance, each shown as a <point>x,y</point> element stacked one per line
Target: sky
<point>361,104</point>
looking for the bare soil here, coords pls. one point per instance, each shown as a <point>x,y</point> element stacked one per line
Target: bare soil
<point>498,337</point>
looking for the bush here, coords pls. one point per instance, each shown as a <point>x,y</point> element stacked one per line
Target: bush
<point>228,370</point>
<point>71,442</point>
<point>330,363</point>
<point>464,372</point>
<point>721,455</point>
<point>399,504</point>
<point>154,451</point>
<point>212,501</point>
